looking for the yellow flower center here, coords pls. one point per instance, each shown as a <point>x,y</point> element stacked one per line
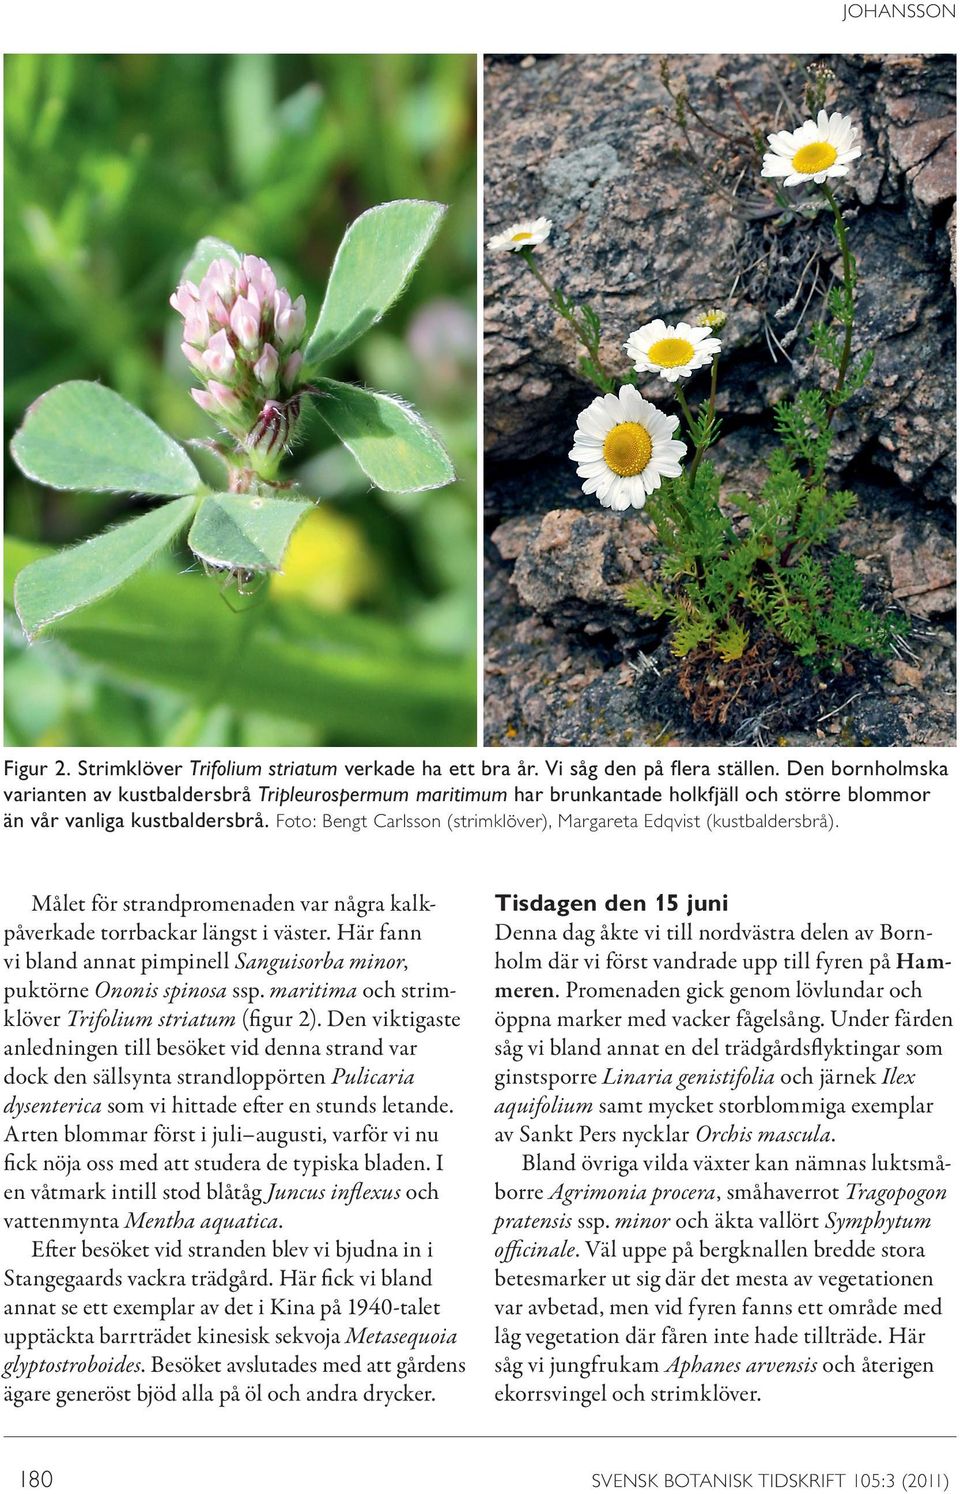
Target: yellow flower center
<point>518,238</point>
<point>671,352</point>
<point>627,448</point>
<point>816,157</point>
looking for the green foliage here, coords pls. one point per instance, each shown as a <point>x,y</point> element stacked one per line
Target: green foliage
<point>58,584</point>
<point>725,578</point>
<point>649,599</point>
<point>83,437</point>
<point>731,641</point>
<point>376,258</point>
<point>391,442</point>
<point>244,531</point>
<point>818,609</point>
<point>803,427</point>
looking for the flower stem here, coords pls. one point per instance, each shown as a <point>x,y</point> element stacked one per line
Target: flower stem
<point>682,402</point>
<point>849,280</point>
<point>527,256</point>
<point>570,313</point>
<point>711,411</point>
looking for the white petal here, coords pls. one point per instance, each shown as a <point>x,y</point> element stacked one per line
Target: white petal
<point>641,338</point>
<point>658,428</point>
<point>594,421</point>
<point>589,432</point>
<point>781,141</point>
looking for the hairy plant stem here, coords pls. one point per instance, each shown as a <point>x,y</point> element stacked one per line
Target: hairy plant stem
<point>591,341</point>
<point>849,280</point>
<point>682,402</point>
<point>711,411</point>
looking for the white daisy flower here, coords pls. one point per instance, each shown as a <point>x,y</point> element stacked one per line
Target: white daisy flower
<point>671,352</point>
<point>522,235</point>
<point>814,151</point>
<point>623,446</point>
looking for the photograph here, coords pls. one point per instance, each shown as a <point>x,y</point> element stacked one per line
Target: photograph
<point>240,400</point>
<point>719,400</point>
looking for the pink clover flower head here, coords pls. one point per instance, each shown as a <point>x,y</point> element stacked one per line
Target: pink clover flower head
<point>243,335</point>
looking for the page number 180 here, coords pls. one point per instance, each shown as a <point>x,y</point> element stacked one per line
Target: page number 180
<point>36,1478</point>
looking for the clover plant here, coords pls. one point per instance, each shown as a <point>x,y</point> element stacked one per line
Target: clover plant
<point>246,340</point>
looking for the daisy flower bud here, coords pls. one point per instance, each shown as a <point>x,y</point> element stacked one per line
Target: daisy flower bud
<point>715,319</point>
<point>526,235</point>
<point>672,352</point>
<point>817,150</point>
<point>623,446</point>
<point>266,367</point>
